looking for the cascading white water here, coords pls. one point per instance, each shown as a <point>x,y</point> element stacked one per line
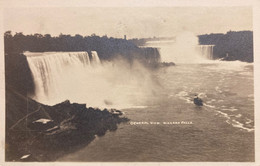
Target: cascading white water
<point>74,76</point>
<point>178,53</point>
<point>184,48</point>
<point>95,57</point>
<point>206,51</point>
<point>52,70</point>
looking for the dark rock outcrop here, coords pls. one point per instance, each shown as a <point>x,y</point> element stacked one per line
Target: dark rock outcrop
<point>18,75</point>
<point>48,132</point>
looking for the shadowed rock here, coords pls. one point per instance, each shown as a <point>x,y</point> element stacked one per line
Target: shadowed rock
<point>47,132</point>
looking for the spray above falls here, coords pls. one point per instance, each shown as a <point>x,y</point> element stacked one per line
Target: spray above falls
<point>184,48</point>
<point>82,78</point>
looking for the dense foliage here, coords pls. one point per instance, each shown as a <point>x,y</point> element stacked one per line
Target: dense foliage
<point>107,48</point>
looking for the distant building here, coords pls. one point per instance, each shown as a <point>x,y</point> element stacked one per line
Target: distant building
<point>125,37</point>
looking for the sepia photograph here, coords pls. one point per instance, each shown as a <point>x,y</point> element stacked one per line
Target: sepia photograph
<point>129,84</point>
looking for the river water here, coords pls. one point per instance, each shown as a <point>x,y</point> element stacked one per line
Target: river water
<point>164,124</point>
<point>167,126</point>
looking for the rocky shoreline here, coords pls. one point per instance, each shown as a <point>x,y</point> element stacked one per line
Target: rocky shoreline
<point>37,132</point>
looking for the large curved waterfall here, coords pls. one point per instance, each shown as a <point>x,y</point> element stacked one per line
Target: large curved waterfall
<point>53,72</point>
<point>82,78</point>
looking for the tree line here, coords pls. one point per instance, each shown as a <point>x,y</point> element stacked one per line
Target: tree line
<point>107,48</point>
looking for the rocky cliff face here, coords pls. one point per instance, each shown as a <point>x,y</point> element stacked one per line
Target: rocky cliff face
<point>18,75</point>
<point>47,132</point>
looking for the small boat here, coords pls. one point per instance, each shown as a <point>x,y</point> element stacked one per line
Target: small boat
<point>197,101</point>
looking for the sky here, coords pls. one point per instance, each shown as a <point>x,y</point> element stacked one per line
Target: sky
<point>135,22</point>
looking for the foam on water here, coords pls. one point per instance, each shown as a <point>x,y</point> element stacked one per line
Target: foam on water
<point>231,119</point>
<point>229,66</point>
<point>184,96</point>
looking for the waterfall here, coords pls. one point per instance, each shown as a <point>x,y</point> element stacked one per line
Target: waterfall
<point>95,58</point>
<point>182,52</point>
<point>184,48</point>
<point>54,71</point>
<point>151,55</point>
<point>206,51</point>
<point>81,77</point>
